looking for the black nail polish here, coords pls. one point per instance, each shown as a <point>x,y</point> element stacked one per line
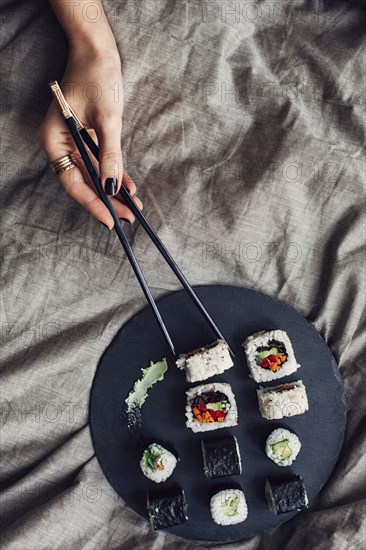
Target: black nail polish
<point>111,186</point>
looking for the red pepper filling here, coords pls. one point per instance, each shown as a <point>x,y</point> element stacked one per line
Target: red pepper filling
<point>218,399</point>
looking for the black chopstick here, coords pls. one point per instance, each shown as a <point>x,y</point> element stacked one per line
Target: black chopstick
<point>150,231</point>
<point>104,197</point>
<point>153,236</point>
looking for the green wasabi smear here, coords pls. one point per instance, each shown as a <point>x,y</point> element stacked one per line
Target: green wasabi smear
<point>152,374</point>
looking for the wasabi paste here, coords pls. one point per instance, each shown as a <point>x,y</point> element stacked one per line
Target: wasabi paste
<point>152,374</point>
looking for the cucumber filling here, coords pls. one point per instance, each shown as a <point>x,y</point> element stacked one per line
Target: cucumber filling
<point>282,449</point>
<point>230,505</point>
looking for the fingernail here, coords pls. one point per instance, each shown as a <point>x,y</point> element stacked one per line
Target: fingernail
<point>111,186</point>
<point>126,220</point>
<point>105,225</point>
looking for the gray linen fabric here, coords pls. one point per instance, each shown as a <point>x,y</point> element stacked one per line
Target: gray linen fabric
<point>244,131</point>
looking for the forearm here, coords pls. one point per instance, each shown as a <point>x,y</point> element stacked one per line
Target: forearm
<point>93,84</point>
<point>85,23</point>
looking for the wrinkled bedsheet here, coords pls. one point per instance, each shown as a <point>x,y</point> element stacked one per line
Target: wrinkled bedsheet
<point>244,130</point>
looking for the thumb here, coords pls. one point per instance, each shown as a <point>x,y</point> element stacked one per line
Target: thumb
<point>110,154</point>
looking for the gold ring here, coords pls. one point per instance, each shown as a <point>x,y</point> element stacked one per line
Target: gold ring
<point>64,163</point>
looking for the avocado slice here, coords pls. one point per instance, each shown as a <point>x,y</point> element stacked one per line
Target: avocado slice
<point>282,449</point>
<point>231,505</point>
<point>286,453</point>
<point>214,406</point>
<point>279,446</point>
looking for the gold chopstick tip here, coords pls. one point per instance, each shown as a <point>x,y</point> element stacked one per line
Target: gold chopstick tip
<point>59,96</point>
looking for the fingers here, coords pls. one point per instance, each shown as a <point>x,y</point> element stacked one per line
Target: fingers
<point>108,130</point>
<point>120,208</point>
<point>129,183</point>
<point>73,183</point>
<point>123,211</point>
<point>57,142</point>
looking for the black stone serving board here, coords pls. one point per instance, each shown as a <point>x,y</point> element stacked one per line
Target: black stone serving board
<point>238,312</point>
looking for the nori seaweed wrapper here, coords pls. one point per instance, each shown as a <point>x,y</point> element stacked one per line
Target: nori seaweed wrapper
<point>220,457</point>
<point>273,344</point>
<point>166,508</point>
<point>288,495</point>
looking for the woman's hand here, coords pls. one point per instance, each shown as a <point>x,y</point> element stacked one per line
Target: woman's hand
<point>92,85</point>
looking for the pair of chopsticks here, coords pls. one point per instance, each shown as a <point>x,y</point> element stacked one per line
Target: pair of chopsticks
<point>80,135</point>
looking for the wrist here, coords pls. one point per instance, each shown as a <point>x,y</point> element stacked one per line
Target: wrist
<point>86,26</point>
<point>98,44</point>
<point>102,49</point>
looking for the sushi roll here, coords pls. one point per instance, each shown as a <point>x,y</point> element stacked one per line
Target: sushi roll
<point>211,406</point>
<point>270,355</point>
<point>166,508</point>
<point>286,496</point>
<point>205,362</point>
<point>221,457</point>
<point>157,463</point>
<point>282,446</point>
<point>229,507</point>
<point>283,401</point>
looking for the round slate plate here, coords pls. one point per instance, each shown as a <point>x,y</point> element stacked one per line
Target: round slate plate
<point>238,312</point>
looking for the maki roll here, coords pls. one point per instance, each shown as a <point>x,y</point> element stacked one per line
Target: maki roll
<point>229,507</point>
<point>157,463</point>
<point>282,401</point>
<point>205,362</point>
<point>166,508</point>
<point>282,446</point>
<point>287,495</point>
<point>211,406</point>
<point>269,355</point>
<point>221,457</point>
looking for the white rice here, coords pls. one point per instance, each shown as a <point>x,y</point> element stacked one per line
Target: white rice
<point>259,339</point>
<point>222,514</point>
<point>274,405</point>
<point>164,464</point>
<point>206,362</point>
<point>231,418</point>
<point>294,445</point>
